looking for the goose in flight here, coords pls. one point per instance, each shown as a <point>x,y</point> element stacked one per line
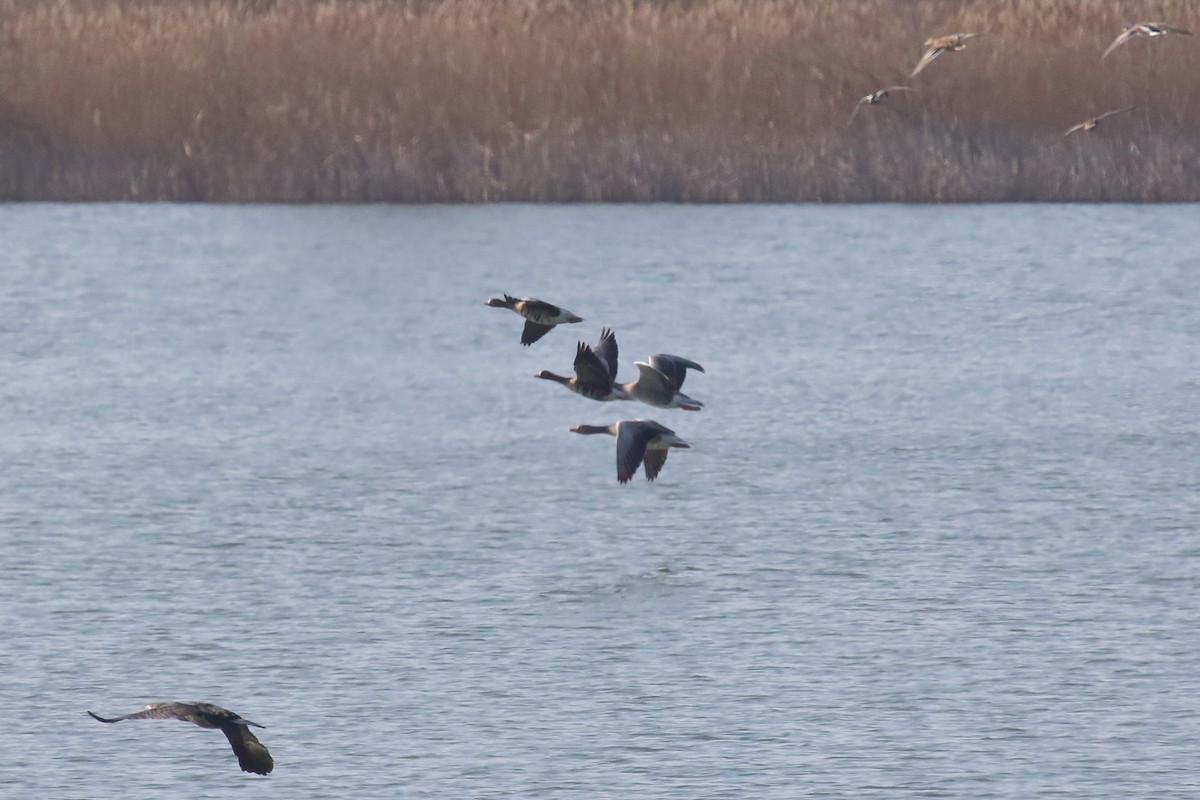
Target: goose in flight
<point>540,316</point>
<point>595,368</point>
<point>1089,124</point>
<point>638,441</point>
<point>937,45</point>
<point>660,379</point>
<point>1142,29</point>
<point>251,755</point>
<point>876,97</point>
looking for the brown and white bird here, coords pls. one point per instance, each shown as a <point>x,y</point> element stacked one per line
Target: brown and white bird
<point>660,381</point>
<point>937,45</point>
<point>1150,29</point>
<point>876,97</point>
<point>1091,123</point>
<point>540,316</point>
<point>251,755</point>
<point>595,370</point>
<point>639,441</point>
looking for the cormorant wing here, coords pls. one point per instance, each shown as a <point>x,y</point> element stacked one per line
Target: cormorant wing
<point>183,711</point>
<point>252,756</point>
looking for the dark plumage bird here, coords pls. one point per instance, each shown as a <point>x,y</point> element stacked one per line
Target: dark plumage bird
<point>1142,29</point>
<point>595,369</point>
<point>638,441</point>
<point>1089,124</point>
<point>251,755</point>
<point>540,316</point>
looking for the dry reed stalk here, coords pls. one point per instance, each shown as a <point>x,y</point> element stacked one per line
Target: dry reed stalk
<point>600,100</point>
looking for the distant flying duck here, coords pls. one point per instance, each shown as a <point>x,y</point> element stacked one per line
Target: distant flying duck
<point>941,44</point>
<point>540,316</point>
<point>595,368</point>
<point>876,97</point>
<point>638,441</point>
<point>251,755</point>
<point>1089,124</point>
<point>1142,29</point>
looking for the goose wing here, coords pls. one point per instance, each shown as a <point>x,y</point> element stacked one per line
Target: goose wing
<point>591,373</point>
<point>632,438</point>
<point>674,367</point>
<point>607,351</point>
<point>534,331</point>
<point>532,308</point>
<point>252,756</point>
<point>653,387</point>
<point>653,461</point>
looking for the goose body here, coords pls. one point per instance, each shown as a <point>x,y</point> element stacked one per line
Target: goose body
<point>639,441</point>
<point>937,45</point>
<point>540,316</point>
<point>595,367</point>
<point>1090,124</point>
<point>660,379</point>
<point>252,756</point>
<point>1149,29</point>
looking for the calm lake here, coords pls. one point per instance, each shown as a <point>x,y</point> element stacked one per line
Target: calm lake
<point>938,533</point>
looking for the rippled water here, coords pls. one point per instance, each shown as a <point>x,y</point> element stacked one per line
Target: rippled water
<point>936,536</point>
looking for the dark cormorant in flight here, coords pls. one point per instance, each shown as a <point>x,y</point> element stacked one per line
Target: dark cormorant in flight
<point>251,755</point>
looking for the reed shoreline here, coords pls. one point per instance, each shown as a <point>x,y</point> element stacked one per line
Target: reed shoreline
<point>451,101</point>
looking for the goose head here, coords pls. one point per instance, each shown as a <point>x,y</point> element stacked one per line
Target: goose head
<point>550,376</point>
<point>591,429</point>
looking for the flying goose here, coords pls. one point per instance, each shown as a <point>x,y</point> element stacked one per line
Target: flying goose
<point>941,44</point>
<point>540,316</point>
<point>1089,124</point>
<point>660,379</point>
<point>1142,29</point>
<point>595,368</point>
<point>251,755</point>
<point>876,97</point>
<point>638,441</point>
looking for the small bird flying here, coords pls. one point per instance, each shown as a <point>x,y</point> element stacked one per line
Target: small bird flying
<point>252,756</point>
<point>1150,29</point>
<point>937,45</point>
<point>540,316</point>
<point>876,97</point>
<point>1092,122</point>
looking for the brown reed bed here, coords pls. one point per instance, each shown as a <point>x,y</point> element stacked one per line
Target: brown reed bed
<point>590,100</point>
